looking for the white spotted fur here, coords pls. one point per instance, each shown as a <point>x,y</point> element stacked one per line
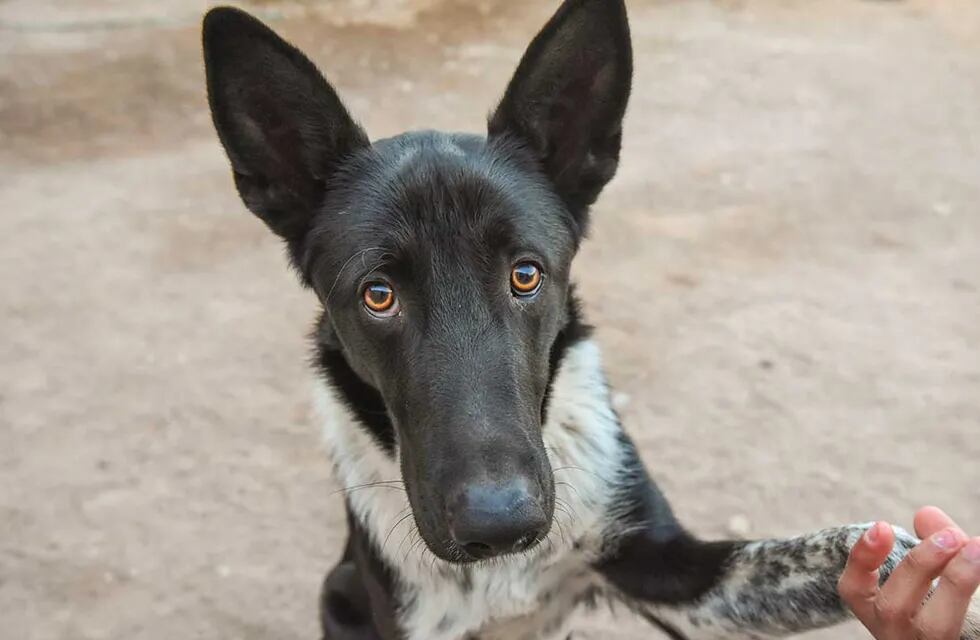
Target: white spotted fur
<point>582,440</point>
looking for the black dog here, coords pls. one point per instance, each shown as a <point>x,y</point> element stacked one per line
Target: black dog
<point>458,380</point>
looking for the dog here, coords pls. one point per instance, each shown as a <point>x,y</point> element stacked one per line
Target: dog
<point>490,488</point>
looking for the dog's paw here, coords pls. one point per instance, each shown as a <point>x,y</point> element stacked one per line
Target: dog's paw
<point>904,542</point>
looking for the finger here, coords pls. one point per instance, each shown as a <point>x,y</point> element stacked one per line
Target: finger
<point>901,597</point>
<point>858,585</point>
<point>930,520</point>
<point>942,617</point>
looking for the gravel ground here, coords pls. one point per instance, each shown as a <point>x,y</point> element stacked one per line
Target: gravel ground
<point>785,277</point>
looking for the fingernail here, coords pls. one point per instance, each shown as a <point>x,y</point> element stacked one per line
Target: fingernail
<point>945,539</point>
<point>871,535</point>
<point>972,551</point>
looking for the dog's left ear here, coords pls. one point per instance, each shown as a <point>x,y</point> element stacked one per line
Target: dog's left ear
<point>567,99</point>
<point>283,126</point>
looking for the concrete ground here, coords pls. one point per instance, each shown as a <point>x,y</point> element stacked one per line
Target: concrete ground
<point>785,276</point>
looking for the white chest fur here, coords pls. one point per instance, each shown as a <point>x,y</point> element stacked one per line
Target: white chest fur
<point>517,596</point>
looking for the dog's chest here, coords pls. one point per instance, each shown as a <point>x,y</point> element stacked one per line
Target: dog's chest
<point>505,602</point>
<point>514,597</point>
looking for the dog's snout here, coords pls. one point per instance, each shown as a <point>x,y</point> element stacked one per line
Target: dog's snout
<point>488,520</point>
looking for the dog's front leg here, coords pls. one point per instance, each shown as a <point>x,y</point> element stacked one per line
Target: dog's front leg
<point>761,589</point>
<point>358,600</point>
<point>764,589</point>
<point>345,610</point>
<point>697,590</point>
<point>345,605</point>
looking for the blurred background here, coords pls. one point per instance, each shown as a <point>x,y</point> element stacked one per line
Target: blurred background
<point>785,276</point>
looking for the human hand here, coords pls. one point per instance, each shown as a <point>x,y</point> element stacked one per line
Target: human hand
<point>899,608</point>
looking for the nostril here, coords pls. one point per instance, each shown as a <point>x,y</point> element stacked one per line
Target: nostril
<point>490,520</point>
<point>478,550</point>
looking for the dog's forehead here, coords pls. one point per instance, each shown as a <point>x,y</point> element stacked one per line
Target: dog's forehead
<point>435,186</point>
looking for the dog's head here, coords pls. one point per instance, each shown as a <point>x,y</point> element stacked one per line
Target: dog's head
<point>441,260</point>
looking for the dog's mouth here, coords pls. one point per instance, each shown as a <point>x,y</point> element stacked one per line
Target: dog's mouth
<point>476,552</point>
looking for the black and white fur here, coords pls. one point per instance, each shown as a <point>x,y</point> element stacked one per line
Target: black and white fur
<point>469,385</point>
<point>753,590</point>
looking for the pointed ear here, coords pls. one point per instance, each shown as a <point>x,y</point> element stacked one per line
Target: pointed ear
<point>282,125</point>
<point>567,99</point>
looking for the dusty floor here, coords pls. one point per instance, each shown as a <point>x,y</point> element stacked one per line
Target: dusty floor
<point>798,208</point>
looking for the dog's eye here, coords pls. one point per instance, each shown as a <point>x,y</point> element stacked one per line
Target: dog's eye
<point>525,279</point>
<point>379,298</point>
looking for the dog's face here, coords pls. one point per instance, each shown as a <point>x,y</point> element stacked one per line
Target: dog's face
<point>445,291</point>
<point>442,261</point>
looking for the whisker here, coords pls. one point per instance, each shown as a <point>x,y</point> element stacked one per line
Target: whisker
<point>576,468</point>
<point>561,531</point>
<point>565,507</point>
<point>412,530</point>
<point>415,544</point>
<point>568,516</point>
<point>395,526</point>
<point>384,484</point>
<point>570,486</point>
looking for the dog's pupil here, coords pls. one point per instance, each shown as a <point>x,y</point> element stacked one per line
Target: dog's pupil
<point>379,295</point>
<point>525,274</point>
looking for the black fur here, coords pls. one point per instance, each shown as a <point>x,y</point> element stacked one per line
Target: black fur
<point>360,397</point>
<point>282,125</point>
<point>367,403</point>
<point>568,96</point>
<point>358,600</point>
<point>686,568</point>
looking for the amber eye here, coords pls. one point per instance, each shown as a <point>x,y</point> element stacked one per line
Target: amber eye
<point>525,278</point>
<point>379,298</point>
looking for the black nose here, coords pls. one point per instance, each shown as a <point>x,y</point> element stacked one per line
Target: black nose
<point>487,520</point>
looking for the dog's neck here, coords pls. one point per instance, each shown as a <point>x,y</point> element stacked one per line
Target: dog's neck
<point>582,437</point>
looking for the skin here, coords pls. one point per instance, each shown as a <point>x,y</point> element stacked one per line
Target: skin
<point>898,609</point>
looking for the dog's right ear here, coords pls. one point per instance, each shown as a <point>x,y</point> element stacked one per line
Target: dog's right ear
<point>282,125</point>
<point>568,96</point>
